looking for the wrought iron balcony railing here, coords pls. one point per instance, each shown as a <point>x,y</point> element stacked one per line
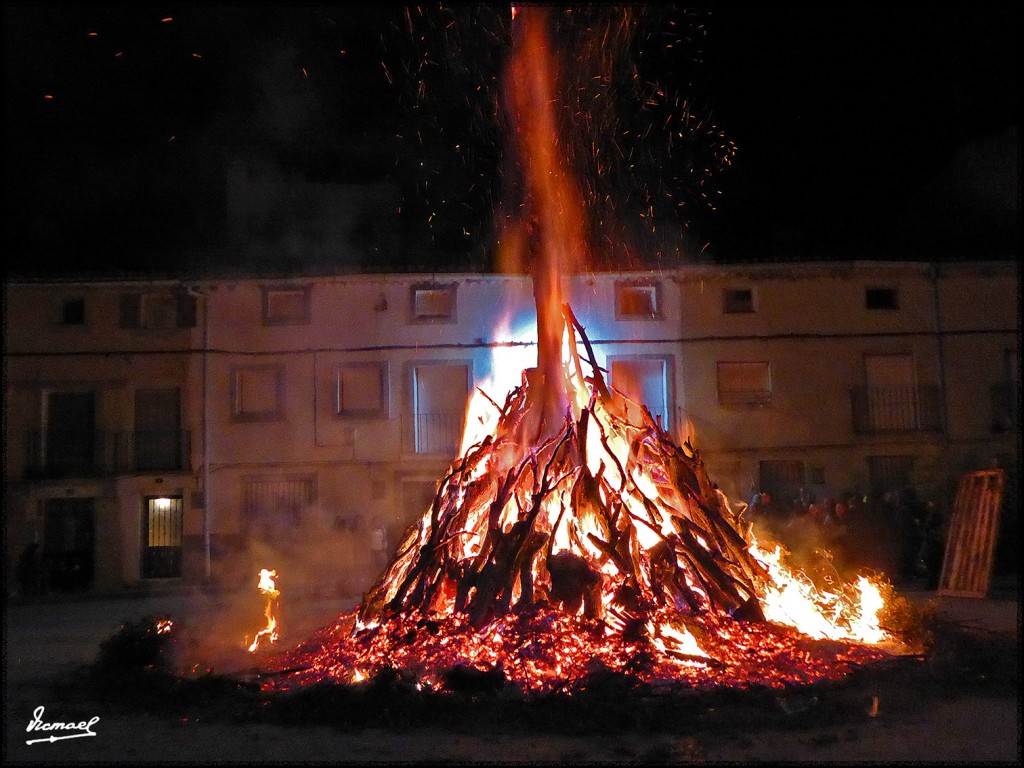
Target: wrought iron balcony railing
<point>55,454</point>
<point>885,410</point>
<point>433,433</point>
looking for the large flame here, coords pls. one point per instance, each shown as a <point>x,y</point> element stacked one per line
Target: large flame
<point>572,532</point>
<point>850,612</point>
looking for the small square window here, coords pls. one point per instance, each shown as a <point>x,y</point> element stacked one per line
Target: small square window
<point>362,390</point>
<point>433,303</point>
<point>73,312</point>
<point>257,393</point>
<point>285,306</point>
<point>637,301</point>
<point>738,301</point>
<point>881,298</point>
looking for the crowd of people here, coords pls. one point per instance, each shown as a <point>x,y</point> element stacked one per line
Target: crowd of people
<point>898,533</point>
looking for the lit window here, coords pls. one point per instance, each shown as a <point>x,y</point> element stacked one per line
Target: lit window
<point>738,301</point>
<point>362,390</point>
<point>881,298</point>
<point>433,303</point>
<point>744,383</point>
<point>257,393</point>
<point>285,306</point>
<point>637,300</point>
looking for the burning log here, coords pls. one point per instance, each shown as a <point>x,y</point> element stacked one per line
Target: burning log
<point>574,583</point>
<point>615,503</point>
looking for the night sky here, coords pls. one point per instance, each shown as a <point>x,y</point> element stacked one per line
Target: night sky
<point>747,132</point>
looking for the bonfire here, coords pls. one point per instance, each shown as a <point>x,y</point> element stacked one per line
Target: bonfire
<point>573,536</point>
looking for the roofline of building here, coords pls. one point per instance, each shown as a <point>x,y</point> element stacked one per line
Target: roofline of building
<point>682,273</point>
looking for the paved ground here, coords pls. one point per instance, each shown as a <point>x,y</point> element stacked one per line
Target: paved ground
<point>46,641</point>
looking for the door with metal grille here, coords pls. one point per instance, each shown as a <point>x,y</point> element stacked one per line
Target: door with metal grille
<point>161,532</point>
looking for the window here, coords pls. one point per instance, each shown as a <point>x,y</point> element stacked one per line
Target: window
<point>440,394</point>
<point>286,306</point>
<point>158,437</point>
<point>890,400</point>
<point>73,312</point>
<point>637,300</point>
<point>1005,395</point>
<point>881,298</point>
<point>258,393</point>
<point>433,303</point>
<point>276,506</point>
<point>645,381</point>
<point>744,383</point>
<point>161,532</point>
<point>362,390</point>
<point>738,301</point>
<point>158,310</point>
<point>70,433</point>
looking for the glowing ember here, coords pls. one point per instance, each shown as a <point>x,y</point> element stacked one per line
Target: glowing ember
<point>164,626</point>
<point>268,587</point>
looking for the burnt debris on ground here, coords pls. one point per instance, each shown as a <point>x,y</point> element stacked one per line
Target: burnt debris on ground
<point>136,670</point>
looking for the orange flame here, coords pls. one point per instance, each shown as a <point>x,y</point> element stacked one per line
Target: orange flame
<point>267,586</point>
<point>792,599</point>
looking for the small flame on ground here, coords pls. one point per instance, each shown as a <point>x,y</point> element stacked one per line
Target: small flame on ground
<point>268,587</point>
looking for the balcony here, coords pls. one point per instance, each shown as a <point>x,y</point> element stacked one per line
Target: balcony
<point>432,433</point>
<point>55,454</point>
<point>896,410</point>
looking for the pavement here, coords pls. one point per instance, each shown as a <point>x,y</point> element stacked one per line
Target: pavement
<point>47,638</point>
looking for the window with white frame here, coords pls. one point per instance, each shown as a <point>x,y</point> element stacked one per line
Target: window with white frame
<point>637,300</point>
<point>286,305</point>
<point>361,390</point>
<point>258,393</point>
<point>744,383</point>
<point>433,303</point>
<point>645,380</point>
<point>440,394</point>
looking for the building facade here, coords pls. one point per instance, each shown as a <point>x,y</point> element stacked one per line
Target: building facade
<point>184,431</point>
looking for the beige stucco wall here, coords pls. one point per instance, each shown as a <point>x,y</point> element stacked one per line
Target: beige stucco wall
<point>810,324</point>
